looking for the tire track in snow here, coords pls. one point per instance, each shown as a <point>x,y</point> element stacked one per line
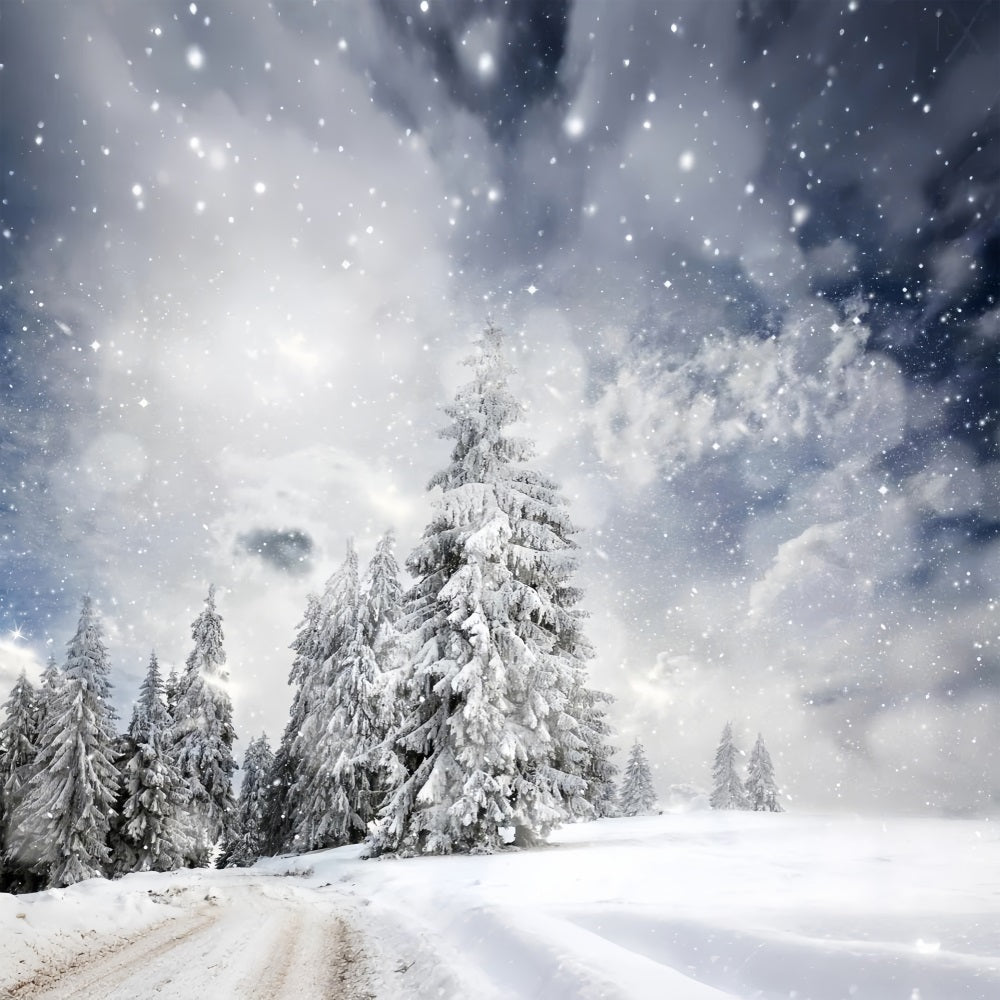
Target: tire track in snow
<point>90,969</point>
<point>250,941</point>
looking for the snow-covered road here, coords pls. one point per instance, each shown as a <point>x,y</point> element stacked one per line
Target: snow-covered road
<point>253,937</point>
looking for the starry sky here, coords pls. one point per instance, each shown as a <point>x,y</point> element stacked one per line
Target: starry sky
<point>747,256</point>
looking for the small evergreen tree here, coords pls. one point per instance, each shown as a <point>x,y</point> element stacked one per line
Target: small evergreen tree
<point>247,840</point>
<point>45,695</point>
<point>18,749</point>
<point>637,796</point>
<point>171,691</point>
<point>761,791</point>
<point>204,734</point>
<point>61,824</point>
<point>153,835</point>
<point>727,789</point>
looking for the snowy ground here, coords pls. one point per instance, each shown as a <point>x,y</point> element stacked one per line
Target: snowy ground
<point>685,907</point>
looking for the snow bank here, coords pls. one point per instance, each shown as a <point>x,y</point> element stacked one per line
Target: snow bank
<point>706,905</point>
<point>61,924</point>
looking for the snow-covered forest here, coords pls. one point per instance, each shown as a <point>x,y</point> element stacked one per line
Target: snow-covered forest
<point>455,715</point>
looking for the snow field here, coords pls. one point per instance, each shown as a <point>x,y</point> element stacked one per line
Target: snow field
<point>710,904</point>
<point>695,906</point>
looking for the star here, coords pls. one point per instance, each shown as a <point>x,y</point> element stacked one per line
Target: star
<point>531,289</point>
<point>15,633</point>
<point>96,345</point>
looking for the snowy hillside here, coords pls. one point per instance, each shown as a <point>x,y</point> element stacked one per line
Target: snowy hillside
<point>687,907</point>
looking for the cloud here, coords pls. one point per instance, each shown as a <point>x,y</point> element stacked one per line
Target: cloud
<point>239,286</point>
<point>14,658</point>
<point>285,550</point>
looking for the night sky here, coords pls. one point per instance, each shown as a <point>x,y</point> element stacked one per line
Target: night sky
<point>747,255</point>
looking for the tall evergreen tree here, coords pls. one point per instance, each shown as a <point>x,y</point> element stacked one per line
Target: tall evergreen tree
<point>595,763</point>
<point>637,796</point>
<point>153,834</point>
<point>323,814</point>
<point>18,749</point>
<point>204,734</point>
<point>491,743</point>
<point>727,789</point>
<point>18,739</point>
<point>761,790</point>
<point>282,800</point>
<point>61,824</point>
<point>381,607</point>
<point>358,708</point>
<point>247,839</point>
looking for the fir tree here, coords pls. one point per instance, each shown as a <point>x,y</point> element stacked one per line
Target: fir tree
<point>153,835</point>
<point>122,857</point>
<point>18,740</point>
<point>322,810</point>
<point>62,821</point>
<point>637,796</point>
<point>204,734</point>
<point>727,789</point>
<point>761,791</point>
<point>18,749</point>
<point>247,840</point>
<point>596,766</point>
<point>381,607</point>
<point>171,690</point>
<point>358,709</point>
<point>490,746</point>
<point>45,695</point>
<point>282,800</point>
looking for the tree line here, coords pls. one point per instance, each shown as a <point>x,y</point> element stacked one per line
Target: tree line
<point>454,716</point>
<point>78,800</point>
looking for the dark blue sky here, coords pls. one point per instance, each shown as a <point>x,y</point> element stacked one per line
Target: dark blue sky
<point>747,255</point>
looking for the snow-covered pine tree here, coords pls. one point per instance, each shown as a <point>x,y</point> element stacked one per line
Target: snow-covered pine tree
<point>637,796</point>
<point>354,764</point>
<point>323,814</point>
<point>18,749</point>
<point>122,859</point>
<point>380,610</point>
<point>489,748</point>
<point>596,766</point>
<point>61,824</point>
<point>18,740</point>
<point>727,789</point>
<point>246,841</point>
<point>282,800</point>
<point>171,689</point>
<point>204,734</point>
<point>761,790</point>
<point>46,692</point>
<point>153,832</point>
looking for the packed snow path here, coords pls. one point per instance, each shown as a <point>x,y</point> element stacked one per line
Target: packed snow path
<point>257,938</point>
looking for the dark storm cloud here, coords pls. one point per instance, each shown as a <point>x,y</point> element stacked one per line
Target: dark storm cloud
<point>289,550</point>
